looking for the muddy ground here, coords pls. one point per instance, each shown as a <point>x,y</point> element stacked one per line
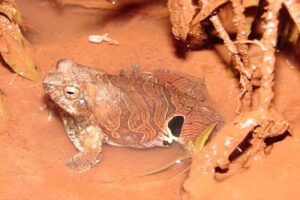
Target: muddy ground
<point>33,144</point>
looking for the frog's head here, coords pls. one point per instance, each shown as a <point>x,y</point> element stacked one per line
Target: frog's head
<point>69,87</point>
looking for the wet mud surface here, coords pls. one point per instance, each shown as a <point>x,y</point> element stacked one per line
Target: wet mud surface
<point>33,144</point>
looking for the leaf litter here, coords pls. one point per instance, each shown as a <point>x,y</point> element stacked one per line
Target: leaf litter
<point>14,48</point>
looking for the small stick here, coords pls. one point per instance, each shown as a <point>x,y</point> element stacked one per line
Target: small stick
<point>244,100</point>
<point>269,40</point>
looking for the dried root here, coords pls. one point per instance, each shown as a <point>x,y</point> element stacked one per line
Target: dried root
<point>239,142</point>
<point>238,55</point>
<point>218,159</point>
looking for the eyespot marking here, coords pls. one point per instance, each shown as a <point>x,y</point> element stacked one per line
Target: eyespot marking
<point>175,125</point>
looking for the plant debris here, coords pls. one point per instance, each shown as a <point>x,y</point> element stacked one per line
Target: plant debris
<point>102,38</point>
<point>191,147</point>
<point>203,137</point>
<point>181,15</point>
<point>13,45</point>
<point>178,160</point>
<point>254,123</point>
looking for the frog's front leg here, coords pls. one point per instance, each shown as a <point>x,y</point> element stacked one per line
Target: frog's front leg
<point>72,132</point>
<point>90,154</point>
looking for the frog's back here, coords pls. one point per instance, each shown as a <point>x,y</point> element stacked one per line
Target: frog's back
<point>151,107</point>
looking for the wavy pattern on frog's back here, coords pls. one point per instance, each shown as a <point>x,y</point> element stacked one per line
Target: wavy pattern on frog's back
<point>149,102</point>
<point>199,119</point>
<point>145,107</point>
<point>202,115</point>
<point>189,85</point>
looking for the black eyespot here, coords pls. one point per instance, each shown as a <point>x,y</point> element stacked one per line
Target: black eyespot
<point>175,125</point>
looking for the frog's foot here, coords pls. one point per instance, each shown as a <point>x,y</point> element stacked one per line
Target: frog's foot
<point>83,161</point>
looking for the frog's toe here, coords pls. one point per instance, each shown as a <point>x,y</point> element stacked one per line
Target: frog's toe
<point>83,161</point>
<point>75,164</point>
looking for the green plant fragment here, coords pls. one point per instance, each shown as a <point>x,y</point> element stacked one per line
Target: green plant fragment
<point>203,137</point>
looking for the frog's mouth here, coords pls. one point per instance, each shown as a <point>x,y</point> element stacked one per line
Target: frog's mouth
<point>51,90</point>
<point>173,128</point>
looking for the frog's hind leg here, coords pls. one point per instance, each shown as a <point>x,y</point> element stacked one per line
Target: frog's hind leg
<point>91,140</point>
<point>85,160</point>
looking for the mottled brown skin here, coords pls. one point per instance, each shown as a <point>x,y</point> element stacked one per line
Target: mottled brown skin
<point>127,109</point>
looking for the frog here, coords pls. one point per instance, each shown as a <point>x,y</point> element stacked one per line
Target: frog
<point>136,109</point>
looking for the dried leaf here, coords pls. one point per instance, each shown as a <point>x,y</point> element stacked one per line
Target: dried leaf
<point>207,9</point>
<point>197,37</point>
<point>226,16</point>
<point>293,9</point>
<point>294,35</point>
<point>181,15</point>
<point>203,137</point>
<point>168,165</point>
<point>250,3</point>
<point>13,49</point>
<point>13,29</point>
<point>211,5</point>
<point>250,20</point>
<point>250,17</point>
<point>291,28</point>
<point>9,9</point>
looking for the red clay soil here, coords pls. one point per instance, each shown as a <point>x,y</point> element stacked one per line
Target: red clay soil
<point>33,144</point>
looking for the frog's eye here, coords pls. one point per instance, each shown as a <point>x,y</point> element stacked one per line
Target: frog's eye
<point>71,92</point>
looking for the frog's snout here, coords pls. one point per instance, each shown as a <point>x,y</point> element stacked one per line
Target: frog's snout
<point>49,82</point>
